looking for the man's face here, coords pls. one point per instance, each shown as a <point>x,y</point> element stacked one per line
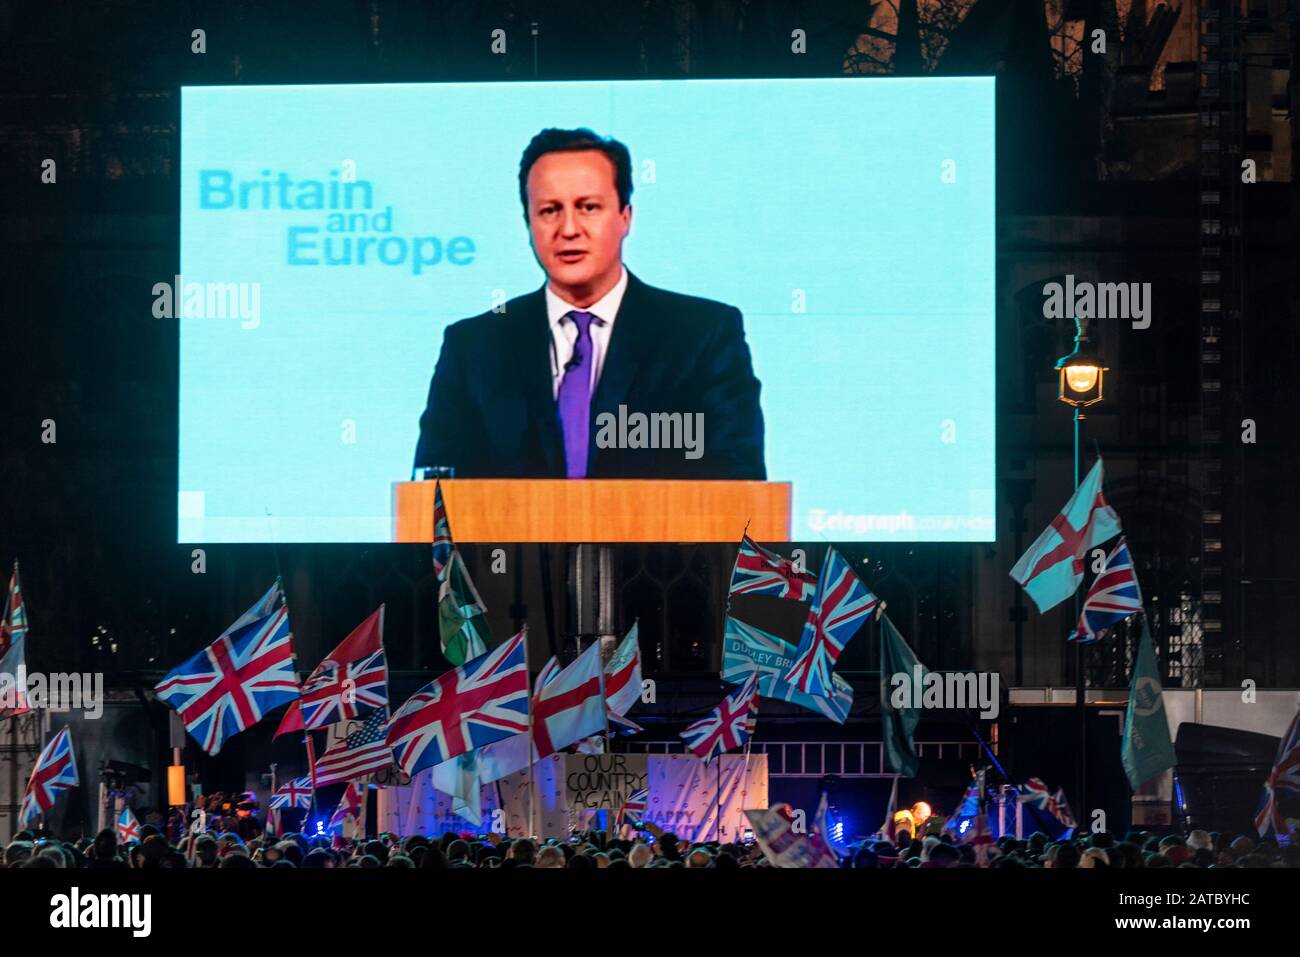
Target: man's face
<point>575,224</point>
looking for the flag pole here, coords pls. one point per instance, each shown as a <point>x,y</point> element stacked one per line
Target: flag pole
<point>532,772</point>
<point>889,814</point>
<point>311,749</point>
<point>311,770</point>
<point>1080,678</point>
<point>13,723</point>
<point>270,832</point>
<point>727,610</point>
<point>744,776</point>
<point>600,661</point>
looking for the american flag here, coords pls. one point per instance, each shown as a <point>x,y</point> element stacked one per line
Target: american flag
<point>839,608</point>
<point>227,687</point>
<point>760,572</point>
<point>1035,792</point>
<point>727,726</point>
<point>482,701</point>
<point>1279,810</point>
<point>55,771</point>
<point>349,805</point>
<point>13,643</point>
<point>1114,596</point>
<point>352,680</point>
<point>128,827</point>
<point>363,750</point>
<point>294,794</point>
<point>633,807</point>
<point>442,542</point>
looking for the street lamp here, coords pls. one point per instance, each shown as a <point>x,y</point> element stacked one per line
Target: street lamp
<point>1082,379</point>
<point>1082,376</point>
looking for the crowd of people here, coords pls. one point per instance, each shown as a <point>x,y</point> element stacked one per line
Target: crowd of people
<point>597,849</point>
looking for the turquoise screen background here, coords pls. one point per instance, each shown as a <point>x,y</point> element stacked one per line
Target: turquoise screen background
<point>851,221</point>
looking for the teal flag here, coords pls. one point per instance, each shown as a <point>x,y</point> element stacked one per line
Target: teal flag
<point>746,648</point>
<point>1147,750</point>
<point>899,714</point>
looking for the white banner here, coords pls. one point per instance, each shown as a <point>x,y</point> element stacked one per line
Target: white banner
<point>686,796</point>
<point>705,802</point>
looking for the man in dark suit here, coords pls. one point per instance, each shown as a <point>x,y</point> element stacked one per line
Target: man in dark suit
<point>547,387</point>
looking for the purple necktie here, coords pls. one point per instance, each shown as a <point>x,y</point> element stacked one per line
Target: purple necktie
<point>574,399</point>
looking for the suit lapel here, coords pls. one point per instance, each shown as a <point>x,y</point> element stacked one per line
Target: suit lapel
<point>532,368</point>
<point>631,342</point>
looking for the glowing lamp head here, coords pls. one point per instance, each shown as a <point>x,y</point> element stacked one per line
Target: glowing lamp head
<point>1081,378</point>
<point>1082,372</point>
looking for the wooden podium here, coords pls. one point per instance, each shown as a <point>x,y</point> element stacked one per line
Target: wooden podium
<point>595,510</point>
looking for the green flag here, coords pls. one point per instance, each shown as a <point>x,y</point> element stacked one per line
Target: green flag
<point>1147,750</point>
<point>900,713</point>
<point>462,621</point>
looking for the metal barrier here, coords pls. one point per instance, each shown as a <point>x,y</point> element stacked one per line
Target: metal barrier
<point>815,759</point>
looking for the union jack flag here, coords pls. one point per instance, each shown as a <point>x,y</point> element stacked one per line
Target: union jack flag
<point>482,701</point>
<point>128,827</point>
<point>746,647</point>
<point>1279,810</point>
<point>442,542</point>
<point>352,680</point>
<point>231,684</point>
<point>13,626</point>
<point>295,794</point>
<point>839,608</point>
<point>727,726</point>
<point>55,771</point>
<point>633,807</point>
<point>349,805</point>
<point>1114,596</point>
<point>760,572</point>
<point>1035,792</point>
<point>13,644</point>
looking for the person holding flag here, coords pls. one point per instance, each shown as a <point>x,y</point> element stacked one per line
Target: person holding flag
<point>128,827</point>
<point>1113,596</point>
<point>1051,570</point>
<point>55,772</point>
<point>728,726</point>
<point>840,605</point>
<point>229,686</point>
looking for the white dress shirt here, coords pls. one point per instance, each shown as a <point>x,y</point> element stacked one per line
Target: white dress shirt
<point>564,332</point>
